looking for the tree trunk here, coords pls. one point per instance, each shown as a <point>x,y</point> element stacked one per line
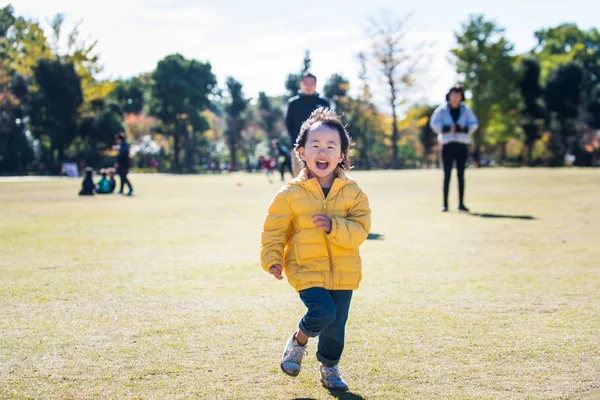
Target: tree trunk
<point>530,154</point>
<point>394,137</point>
<point>232,151</point>
<point>502,153</point>
<point>176,150</point>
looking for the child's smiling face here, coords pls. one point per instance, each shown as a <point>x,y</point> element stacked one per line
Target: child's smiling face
<point>323,151</point>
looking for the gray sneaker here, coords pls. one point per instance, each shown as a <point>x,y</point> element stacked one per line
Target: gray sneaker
<point>331,379</point>
<point>291,359</point>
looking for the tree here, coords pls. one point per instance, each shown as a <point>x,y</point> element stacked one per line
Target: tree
<point>427,136</point>
<point>567,43</point>
<point>86,61</point>
<point>532,111</point>
<point>180,90</point>
<point>236,121</point>
<point>485,63</point>
<point>292,83</point>
<point>270,116</point>
<point>563,97</point>
<point>396,65</point>
<point>336,89</point>
<point>130,94</point>
<point>16,153</point>
<point>55,105</point>
<point>98,130</point>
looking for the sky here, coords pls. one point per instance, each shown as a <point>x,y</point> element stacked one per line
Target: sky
<point>259,42</point>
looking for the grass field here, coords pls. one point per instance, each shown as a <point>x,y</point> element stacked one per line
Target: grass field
<point>161,296</point>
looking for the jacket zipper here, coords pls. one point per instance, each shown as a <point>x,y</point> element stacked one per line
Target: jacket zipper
<point>328,249</point>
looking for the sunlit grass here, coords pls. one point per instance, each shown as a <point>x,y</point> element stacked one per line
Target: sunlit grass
<point>161,296</point>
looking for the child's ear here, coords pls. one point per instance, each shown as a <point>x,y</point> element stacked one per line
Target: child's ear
<point>301,153</point>
<point>342,156</point>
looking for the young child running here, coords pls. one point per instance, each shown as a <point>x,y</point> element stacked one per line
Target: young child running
<point>311,233</point>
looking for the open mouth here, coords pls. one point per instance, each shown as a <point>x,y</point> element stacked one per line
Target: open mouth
<point>322,165</point>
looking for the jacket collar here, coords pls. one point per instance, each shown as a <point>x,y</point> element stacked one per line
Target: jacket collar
<point>312,184</point>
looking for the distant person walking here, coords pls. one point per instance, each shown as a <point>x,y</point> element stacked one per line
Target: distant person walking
<point>284,158</point>
<point>299,109</point>
<point>454,123</point>
<point>122,164</point>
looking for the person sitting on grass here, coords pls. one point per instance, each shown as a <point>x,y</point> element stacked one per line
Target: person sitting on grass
<point>312,232</point>
<point>111,179</point>
<point>103,186</point>
<point>87,186</point>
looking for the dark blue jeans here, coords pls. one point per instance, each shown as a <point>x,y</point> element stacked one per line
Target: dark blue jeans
<point>326,318</point>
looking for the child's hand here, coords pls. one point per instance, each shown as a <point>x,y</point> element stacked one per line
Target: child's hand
<point>277,271</point>
<point>322,221</point>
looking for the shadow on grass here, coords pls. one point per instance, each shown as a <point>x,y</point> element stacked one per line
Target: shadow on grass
<point>490,215</point>
<point>375,236</point>
<point>338,395</point>
<point>345,395</point>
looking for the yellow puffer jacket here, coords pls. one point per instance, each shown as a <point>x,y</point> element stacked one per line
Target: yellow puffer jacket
<point>310,256</point>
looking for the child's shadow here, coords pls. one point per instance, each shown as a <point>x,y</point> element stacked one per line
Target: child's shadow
<point>345,395</point>
<point>337,395</point>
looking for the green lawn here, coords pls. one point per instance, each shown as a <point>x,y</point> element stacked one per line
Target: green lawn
<point>161,296</point>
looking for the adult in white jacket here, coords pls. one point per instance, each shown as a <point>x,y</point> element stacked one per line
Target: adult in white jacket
<point>454,123</point>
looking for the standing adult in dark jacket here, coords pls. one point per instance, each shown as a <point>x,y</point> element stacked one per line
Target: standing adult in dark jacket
<point>123,163</point>
<point>299,109</point>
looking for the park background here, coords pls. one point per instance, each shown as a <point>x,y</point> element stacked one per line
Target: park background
<point>161,295</point>
<point>68,83</point>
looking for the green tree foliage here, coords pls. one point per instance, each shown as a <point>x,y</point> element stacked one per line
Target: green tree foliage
<point>180,90</point>
<point>563,99</point>
<point>336,89</point>
<point>532,111</point>
<point>130,94</point>
<point>16,152</point>
<point>427,136</point>
<point>235,109</point>
<point>55,105</point>
<point>97,132</point>
<point>292,82</point>
<point>485,62</point>
<point>270,116</point>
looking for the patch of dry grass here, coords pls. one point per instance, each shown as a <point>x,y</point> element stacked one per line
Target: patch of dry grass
<point>161,296</point>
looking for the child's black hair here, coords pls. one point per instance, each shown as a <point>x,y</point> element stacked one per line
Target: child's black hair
<point>331,120</point>
<point>89,171</point>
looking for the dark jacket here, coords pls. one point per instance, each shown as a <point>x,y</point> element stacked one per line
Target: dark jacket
<point>123,157</point>
<point>282,151</point>
<point>299,109</point>
<point>87,187</point>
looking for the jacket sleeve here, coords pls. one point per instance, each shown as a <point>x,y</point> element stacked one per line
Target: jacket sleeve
<point>351,231</point>
<point>472,122</point>
<point>289,120</point>
<point>275,232</point>
<point>436,122</point>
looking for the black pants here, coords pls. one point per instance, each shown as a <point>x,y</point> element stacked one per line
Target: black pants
<point>286,164</point>
<point>124,181</point>
<point>454,152</point>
